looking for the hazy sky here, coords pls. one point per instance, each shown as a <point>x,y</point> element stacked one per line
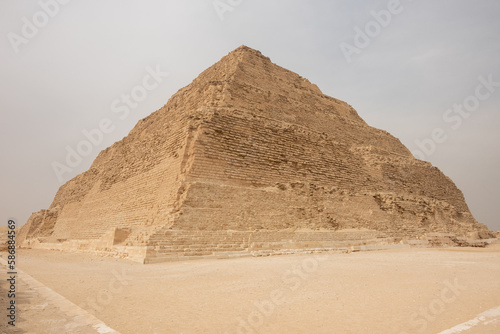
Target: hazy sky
<point>63,73</point>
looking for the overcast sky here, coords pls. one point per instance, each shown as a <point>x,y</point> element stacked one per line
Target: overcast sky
<point>61,74</point>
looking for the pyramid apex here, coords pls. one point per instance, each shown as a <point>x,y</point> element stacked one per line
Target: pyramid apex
<point>243,49</point>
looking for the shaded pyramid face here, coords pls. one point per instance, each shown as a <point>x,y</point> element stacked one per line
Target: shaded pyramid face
<point>250,150</point>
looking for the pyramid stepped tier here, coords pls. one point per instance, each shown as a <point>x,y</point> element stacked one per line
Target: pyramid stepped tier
<point>248,156</point>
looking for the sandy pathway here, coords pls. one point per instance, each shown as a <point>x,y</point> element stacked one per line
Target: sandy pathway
<point>42,310</point>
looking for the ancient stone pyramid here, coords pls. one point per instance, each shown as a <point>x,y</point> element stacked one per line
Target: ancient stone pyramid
<point>248,157</point>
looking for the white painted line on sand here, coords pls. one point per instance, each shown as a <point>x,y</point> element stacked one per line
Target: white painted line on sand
<point>480,318</point>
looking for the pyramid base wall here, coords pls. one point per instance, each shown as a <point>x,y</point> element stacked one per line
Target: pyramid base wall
<point>181,245</point>
<point>133,253</point>
<point>104,246</point>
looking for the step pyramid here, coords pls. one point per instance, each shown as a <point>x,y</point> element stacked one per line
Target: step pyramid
<point>249,156</point>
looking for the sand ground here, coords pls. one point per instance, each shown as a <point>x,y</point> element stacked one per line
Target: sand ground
<point>398,291</point>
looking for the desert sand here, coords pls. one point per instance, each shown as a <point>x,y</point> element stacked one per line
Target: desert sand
<point>392,291</point>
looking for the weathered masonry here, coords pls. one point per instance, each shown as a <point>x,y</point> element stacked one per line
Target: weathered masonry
<point>250,157</point>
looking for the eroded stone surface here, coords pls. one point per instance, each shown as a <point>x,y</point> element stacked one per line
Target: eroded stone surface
<point>246,157</point>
